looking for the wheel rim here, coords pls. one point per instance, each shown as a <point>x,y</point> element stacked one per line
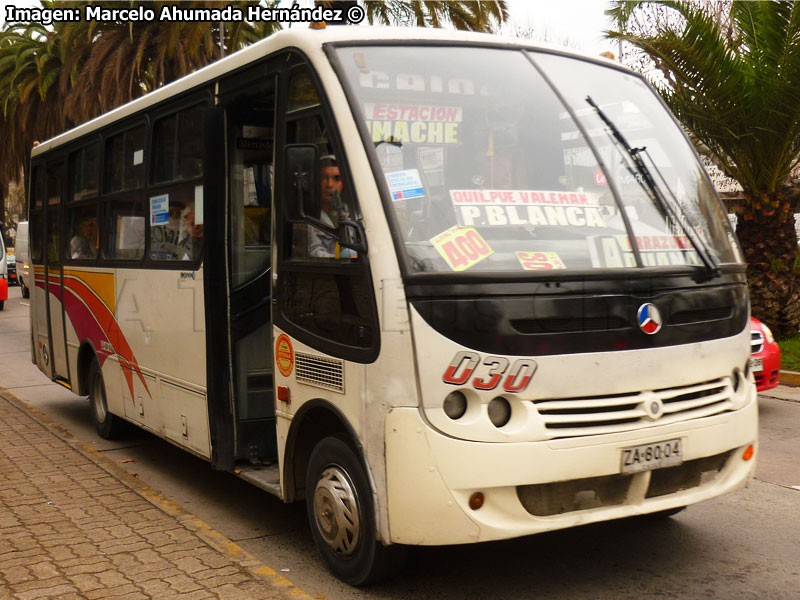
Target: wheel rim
<point>336,511</point>
<point>99,399</point>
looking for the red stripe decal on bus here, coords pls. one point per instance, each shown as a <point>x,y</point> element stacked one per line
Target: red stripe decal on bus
<point>100,314</point>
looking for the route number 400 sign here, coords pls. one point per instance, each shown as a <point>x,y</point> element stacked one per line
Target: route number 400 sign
<point>461,247</point>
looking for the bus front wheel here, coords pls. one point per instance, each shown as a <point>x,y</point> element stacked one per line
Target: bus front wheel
<point>107,425</point>
<point>342,516</point>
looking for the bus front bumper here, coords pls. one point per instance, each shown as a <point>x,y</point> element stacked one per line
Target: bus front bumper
<point>533,487</point>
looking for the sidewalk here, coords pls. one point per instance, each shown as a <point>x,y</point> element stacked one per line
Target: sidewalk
<point>74,525</point>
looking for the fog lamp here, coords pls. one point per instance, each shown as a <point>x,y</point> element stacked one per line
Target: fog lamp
<point>455,405</point>
<point>499,411</point>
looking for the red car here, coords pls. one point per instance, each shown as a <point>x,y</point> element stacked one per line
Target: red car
<point>765,357</point>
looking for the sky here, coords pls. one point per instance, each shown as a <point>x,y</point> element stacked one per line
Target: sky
<point>576,23</point>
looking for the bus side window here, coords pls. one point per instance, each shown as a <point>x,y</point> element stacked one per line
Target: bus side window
<point>325,288</point>
<point>37,216</point>
<point>55,183</point>
<point>125,224</point>
<point>176,192</point>
<point>251,142</point>
<point>83,236</point>
<point>124,177</point>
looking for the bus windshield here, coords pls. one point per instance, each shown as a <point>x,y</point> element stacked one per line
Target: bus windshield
<point>490,169</point>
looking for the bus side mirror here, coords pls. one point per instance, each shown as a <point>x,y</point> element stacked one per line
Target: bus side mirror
<point>351,235</point>
<point>303,184</point>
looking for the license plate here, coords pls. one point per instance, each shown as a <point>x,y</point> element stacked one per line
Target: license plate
<point>647,457</point>
<point>756,364</point>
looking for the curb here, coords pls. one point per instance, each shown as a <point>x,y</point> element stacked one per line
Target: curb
<point>789,378</point>
<point>208,534</point>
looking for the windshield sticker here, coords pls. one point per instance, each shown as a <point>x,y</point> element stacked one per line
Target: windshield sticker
<point>405,185</point>
<point>413,112</point>
<point>656,250</point>
<point>159,209</point>
<point>431,159</point>
<point>540,261</point>
<point>517,207</point>
<point>403,123</point>
<point>461,247</point>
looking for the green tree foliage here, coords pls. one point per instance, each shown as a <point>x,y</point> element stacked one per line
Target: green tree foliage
<point>731,74</point>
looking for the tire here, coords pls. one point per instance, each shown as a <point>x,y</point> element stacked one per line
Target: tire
<point>342,516</point>
<point>26,293</point>
<point>2,304</point>
<point>107,425</point>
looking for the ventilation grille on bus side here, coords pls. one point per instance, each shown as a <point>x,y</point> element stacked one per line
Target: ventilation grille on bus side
<point>570,417</point>
<point>319,371</point>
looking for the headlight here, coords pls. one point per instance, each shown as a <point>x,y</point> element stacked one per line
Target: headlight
<point>768,334</point>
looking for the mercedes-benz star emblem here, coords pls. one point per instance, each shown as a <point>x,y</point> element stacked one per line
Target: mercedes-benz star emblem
<point>649,318</point>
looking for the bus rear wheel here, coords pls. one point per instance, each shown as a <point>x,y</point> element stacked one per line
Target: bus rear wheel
<point>107,425</point>
<point>342,516</point>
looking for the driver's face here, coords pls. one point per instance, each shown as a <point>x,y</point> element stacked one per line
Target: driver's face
<point>331,182</point>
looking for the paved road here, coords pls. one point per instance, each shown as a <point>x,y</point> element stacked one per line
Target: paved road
<point>741,546</point>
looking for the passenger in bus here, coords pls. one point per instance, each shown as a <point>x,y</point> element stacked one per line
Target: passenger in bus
<point>191,233</point>
<point>323,244</point>
<point>180,237</point>
<point>84,243</point>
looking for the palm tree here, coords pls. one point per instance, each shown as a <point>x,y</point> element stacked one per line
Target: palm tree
<point>733,80</point>
<point>111,63</point>
<point>476,15</point>
<point>30,106</point>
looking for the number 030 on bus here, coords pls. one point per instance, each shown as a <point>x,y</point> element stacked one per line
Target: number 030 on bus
<point>444,287</point>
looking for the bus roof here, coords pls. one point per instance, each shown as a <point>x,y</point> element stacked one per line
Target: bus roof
<point>305,39</point>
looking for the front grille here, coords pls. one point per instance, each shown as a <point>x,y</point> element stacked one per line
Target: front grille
<point>756,341</point>
<point>548,499</point>
<point>319,371</point>
<point>701,315</point>
<point>595,415</point>
<point>569,325</point>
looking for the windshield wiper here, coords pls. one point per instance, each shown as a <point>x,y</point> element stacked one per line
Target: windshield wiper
<point>641,173</point>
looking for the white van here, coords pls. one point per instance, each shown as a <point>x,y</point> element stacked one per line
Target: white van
<point>23,259</point>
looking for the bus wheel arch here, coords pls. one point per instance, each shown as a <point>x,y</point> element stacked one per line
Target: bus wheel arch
<point>86,355</point>
<point>316,420</point>
<point>341,515</point>
<point>108,425</point>
<point>325,464</point>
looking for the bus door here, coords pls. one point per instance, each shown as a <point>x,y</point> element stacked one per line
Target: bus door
<point>250,115</point>
<point>49,313</point>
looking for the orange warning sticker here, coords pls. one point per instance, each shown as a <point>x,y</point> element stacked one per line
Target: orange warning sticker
<point>284,355</point>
